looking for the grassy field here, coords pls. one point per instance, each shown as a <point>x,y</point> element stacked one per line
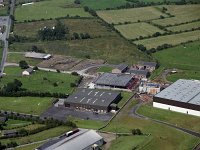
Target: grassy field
<point>49,9</point>
<point>130,15</point>
<point>133,31</point>
<point>36,81</point>
<point>105,69</point>
<point>182,13</point>
<point>39,136</point>
<point>102,4</point>
<point>74,25</point>
<point>10,123</point>
<point>178,119</point>
<point>184,74</point>
<point>174,39</point>
<point>110,49</point>
<point>19,104</point>
<point>188,56</point>
<point>162,137</point>
<point>125,97</point>
<point>184,27</point>
<point>29,147</point>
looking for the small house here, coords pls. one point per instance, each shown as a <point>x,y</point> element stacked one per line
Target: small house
<point>120,69</point>
<point>27,72</point>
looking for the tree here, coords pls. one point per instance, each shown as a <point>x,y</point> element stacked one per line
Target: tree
<point>86,8</point>
<point>23,64</point>
<point>13,86</point>
<point>141,47</point>
<point>76,35</point>
<point>77,2</point>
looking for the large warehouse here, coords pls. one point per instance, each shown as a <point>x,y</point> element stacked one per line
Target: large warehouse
<point>182,96</point>
<point>113,80</point>
<point>94,100</point>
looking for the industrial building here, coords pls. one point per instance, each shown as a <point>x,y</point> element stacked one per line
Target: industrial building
<point>83,139</point>
<point>149,88</point>
<point>140,74</point>
<point>37,55</point>
<point>151,66</point>
<point>112,80</point>
<point>93,100</point>
<point>182,96</point>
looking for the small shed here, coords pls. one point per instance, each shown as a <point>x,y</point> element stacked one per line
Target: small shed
<point>27,72</point>
<point>120,69</point>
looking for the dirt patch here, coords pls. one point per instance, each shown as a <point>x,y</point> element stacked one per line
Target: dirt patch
<point>108,138</point>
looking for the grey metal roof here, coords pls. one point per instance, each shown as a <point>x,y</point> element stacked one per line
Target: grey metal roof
<point>112,79</point>
<point>151,64</point>
<point>29,70</point>
<point>93,97</point>
<point>187,91</point>
<point>139,72</point>
<point>122,67</point>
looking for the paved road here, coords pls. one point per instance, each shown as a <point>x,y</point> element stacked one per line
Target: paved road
<point>135,114</point>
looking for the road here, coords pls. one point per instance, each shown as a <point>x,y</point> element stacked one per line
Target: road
<point>135,114</point>
<point>7,22</point>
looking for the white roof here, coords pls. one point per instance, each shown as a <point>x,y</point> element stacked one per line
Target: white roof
<point>37,55</point>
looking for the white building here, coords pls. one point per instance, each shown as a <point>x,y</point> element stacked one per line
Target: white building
<point>38,55</point>
<point>182,96</point>
<point>27,72</point>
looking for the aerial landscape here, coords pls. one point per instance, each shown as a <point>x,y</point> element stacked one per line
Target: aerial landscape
<point>100,74</point>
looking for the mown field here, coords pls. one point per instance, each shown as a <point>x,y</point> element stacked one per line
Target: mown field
<point>135,30</point>
<point>49,9</point>
<point>182,13</point>
<point>28,105</point>
<point>41,81</point>
<point>185,56</point>
<point>130,15</point>
<point>174,39</point>
<point>183,27</point>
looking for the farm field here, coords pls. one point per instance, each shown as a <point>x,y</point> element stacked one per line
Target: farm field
<point>133,31</point>
<point>10,123</point>
<point>178,119</point>
<point>162,137</point>
<point>21,104</point>
<point>184,27</point>
<point>42,81</point>
<point>74,25</point>
<point>174,39</point>
<point>48,9</point>
<point>29,147</point>
<point>98,48</point>
<point>130,15</point>
<point>182,13</point>
<point>188,56</point>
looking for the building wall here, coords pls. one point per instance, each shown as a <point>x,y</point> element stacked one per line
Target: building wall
<point>177,109</point>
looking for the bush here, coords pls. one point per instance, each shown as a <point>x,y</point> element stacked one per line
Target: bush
<point>23,64</point>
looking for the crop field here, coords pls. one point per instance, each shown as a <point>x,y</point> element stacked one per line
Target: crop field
<point>48,9</point>
<point>130,15</point>
<point>42,81</point>
<point>28,105</point>
<point>173,39</point>
<point>74,25</point>
<point>182,13</point>
<point>184,27</point>
<point>135,30</point>
<point>188,56</point>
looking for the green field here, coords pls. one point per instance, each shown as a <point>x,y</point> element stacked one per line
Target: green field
<point>10,124</point>
<point>178,119</point>
<point>29,147</point>
<point>36,81</point>
<point>49,9</point>
<point>130,15</point>
<point>133,31</point>
<point>182,13</point>
<point>173,39</point>
<point>28,105</point>
<point>184,27</point>
<point>188,56</point>
<point>105,69</point>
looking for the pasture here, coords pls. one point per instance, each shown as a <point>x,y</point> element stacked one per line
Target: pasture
<point>173,39</point>
<point>48,9</point>
<point>181,57</point>
<point>130,15</point>
<point>41,81</point>
<point>27,105</point>
<point>135,30</point>
<point>182,13</point>
<point>184,27</point>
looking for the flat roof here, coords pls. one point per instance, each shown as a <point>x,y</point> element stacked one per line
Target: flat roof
<point>93,97</point>
<point>112,79</point>
<point>145,63</point>
<point>187,91</point>
<point>122,67</point>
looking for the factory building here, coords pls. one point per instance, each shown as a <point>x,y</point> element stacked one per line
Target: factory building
<point>182,96</point>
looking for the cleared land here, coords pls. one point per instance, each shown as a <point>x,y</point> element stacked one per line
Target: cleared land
<point>28,105</point>
<point>178,119</point>
<point>41,81</point>
<point>174,39</point>
<point>48,9</point>
<point>133,31</point>
<point>184,27</point>
<point>130,15</point>
<point>188,56</point>
<point>182,13</point>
